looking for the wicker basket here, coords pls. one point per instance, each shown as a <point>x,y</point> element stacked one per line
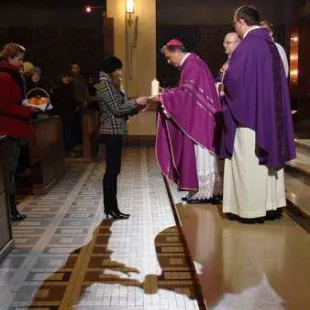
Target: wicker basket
<point>40,93</point>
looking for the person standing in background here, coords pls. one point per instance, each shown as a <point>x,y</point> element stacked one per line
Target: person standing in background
<point>269,26</point>
<point>14,118</point>
<point>32,78</point>
<point>65,106</point>
<point>258,137</point>
<point>80,88</point>
<point>231,41</point>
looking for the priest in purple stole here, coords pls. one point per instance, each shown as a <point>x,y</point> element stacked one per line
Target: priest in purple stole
<point>186,126</point>
<point>258,133</point>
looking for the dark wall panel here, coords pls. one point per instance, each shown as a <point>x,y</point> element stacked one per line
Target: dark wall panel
<point>206,41</point>
<point>53,49</point>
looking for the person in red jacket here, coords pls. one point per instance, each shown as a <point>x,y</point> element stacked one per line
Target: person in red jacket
<point>14,118</point>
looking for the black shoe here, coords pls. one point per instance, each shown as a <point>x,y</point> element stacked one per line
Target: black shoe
<point>118,212</point>
<point>279,213</point>
<point>115,216</point>
<point>185,198</point>
<point>256,220</point>
<point>260,220</point>
<point>271,215</point>
<point>247,221</point>
<point>122,214</point>
<point>193,201</point>
<point>18,217</point>
<point>216,201</point>
<point>274,214</point>
<point>232,217</point>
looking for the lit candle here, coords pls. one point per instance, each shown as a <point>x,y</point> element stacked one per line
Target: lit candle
<point>155,88</point>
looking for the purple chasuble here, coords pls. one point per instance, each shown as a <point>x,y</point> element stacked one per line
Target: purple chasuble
<point>191,108</point>
<point>257,97</point>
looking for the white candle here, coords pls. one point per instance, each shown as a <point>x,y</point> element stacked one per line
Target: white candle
<point>155,88</point>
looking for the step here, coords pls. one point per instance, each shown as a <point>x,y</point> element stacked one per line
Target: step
<point>297,179</point>
<point>301,164</point>
<point>303,144</point>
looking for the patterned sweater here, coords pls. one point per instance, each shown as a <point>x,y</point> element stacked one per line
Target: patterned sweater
<point>114,109</point>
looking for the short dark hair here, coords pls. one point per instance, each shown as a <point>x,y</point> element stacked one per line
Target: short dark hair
<point>174,48</point>
<point>249,14</point>
<point>68,73</point>
<point>268,25</point>
<point>111,64</point>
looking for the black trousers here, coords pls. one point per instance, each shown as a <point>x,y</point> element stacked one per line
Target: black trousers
<point>113,145</point>
<point>13,150</point>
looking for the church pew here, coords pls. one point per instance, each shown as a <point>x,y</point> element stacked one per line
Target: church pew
<point>90,129</point>
<point>46,153</point>
<point>6,239</point>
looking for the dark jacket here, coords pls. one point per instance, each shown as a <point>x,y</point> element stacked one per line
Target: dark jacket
<point>65,105</point>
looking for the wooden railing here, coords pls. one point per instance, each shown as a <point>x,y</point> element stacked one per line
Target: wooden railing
<point>90,125</point>
<point>47,158</point>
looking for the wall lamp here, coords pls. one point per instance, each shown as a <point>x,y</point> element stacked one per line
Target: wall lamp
<point>130,10</point>
<point>131,34</point>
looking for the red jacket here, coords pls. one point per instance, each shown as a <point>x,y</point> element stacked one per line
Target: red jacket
<point>14,118</point>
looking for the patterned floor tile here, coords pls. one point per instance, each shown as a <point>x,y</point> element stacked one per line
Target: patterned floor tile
<point>68,256</point>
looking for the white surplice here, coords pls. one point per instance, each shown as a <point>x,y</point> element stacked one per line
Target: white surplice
<point>209,170</point>
<point>250,189</point>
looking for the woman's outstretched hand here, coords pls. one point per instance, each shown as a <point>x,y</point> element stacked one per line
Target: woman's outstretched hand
<point>142,103</point>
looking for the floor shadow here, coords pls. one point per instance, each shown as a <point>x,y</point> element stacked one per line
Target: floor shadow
<point>92,264</point>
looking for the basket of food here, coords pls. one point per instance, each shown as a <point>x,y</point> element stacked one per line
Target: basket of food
<point>38,98</point>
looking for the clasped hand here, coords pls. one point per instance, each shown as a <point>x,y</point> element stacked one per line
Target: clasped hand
<point>142,103</point>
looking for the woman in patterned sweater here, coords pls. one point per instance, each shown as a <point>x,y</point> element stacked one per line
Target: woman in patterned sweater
<point>114,112</point>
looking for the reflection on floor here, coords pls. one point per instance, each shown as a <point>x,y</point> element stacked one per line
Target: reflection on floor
<point>67,256</point>
<point>240,266</point>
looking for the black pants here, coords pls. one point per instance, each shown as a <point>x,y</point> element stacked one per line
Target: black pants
<point>113,145</point>
<point>13,150</point>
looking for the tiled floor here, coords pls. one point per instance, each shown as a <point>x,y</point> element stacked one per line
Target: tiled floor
<point>247,267</point>
<point>68,257</point>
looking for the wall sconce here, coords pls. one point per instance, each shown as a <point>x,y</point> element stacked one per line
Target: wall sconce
<point>130,10</point>
<point>131,34</point>
<point>132,20</point>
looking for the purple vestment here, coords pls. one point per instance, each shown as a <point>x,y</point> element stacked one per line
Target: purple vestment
<point>191,108</point>
<point>257,97</point>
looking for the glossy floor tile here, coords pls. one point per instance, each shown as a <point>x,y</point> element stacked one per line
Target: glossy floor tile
<point>67,256</point>
<point>240,266</point>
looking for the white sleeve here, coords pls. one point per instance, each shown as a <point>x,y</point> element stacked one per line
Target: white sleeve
<point>283,57</point>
